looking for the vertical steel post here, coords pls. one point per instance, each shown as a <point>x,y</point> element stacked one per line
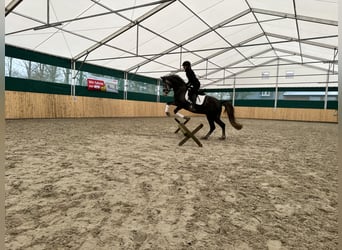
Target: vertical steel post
<point>180,56</point>
<point>73,79</point>
<point>276,87</point>
<point>326,89</point>
<point>137,42</point>
<point>233,102</point>
<point>224,76</point>
<point>158,91</point>
<point>331,65</point>
<point>125,85</point>
<point>48,12</point>
<point>224,81</point>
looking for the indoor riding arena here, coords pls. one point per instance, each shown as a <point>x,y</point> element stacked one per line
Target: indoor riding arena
<point>97,159</point>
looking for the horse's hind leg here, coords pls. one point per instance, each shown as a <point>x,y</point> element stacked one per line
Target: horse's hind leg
<point>212,127</point>
<point>223,127</point>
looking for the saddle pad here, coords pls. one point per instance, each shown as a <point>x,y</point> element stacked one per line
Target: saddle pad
<point>199,98</point>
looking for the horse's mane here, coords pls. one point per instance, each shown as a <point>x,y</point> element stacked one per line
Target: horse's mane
<point>175,78</point>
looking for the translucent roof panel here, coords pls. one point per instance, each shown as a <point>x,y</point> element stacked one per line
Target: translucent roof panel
<point>228,58</point>
<point>152,38</point>
<point>236,34</point>
<point>286,27</point>
<point>259,59</point>
<point>317,53</point>
<point>120,62</point>
<point>319,9</point>
<point>207,41</point>
<point>280,6</point>
<point>161,24</point>
<point>131,9</point>
<point>250,52</point>
<point>216,11</point>
<point>316,30</point>
<point>16,24</point>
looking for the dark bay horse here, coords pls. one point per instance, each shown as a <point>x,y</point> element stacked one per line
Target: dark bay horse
<point>211,107</point>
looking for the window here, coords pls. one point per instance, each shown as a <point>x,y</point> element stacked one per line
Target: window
<point>265,93</point>
<point>265,75</point>
<point>289,75</point>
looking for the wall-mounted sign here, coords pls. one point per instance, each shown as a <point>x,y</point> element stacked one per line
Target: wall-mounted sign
<point>106,85</point>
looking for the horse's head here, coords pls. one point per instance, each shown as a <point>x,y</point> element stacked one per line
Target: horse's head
<point>167,85</point>
<point>171,82</point>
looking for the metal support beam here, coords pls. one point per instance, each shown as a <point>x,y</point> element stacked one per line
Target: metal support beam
<point>229,20</point>
<point>243,71</point>
<point>304,41</point>
<point>73,79</point>
<point>125,85</point>
<point>214,30</point>
<point>180,56</point>
<point>47,12</point>
<point>327,84</point>
<point>298,17</point>
<point>326,89</point>
<point>307,56</point>
<point>276,86</point>
<point>123,29</point>
<point>297,28</point>
<point>137,41</point>
<point>158,91</point>
<point>262,28</point>
<point>11,6</point>
<point>234,84</point>
<point>224,50</point>
<point>239,61</point>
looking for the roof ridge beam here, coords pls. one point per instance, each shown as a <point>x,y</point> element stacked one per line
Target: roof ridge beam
<point>226,50</point>
<point>306,65</point>
<point>266,64</point>
<point>293,16</point>
<point>234,46</point>
<point>240,61</point>
<point>243,71</point>
<point>305,55</point>
<point>123,29</point>
<point>261,27</point>
<point>214,30</point>
<point>305,41</point>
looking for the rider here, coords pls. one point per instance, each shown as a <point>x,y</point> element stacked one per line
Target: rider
<point>193,83</point>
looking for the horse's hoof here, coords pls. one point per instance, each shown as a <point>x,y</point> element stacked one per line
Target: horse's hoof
<point>222,138</point>
<point>187,118</point>
<point>205,138</point>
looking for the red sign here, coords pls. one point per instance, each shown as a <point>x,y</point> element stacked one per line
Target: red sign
<point>94,84</point>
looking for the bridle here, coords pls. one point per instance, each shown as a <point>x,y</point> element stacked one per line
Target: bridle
<point>166,86</point>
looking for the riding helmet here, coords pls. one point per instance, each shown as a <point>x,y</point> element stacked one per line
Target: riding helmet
<point>186,64</point>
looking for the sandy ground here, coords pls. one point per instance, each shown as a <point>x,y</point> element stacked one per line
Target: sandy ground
<point>126,184</point>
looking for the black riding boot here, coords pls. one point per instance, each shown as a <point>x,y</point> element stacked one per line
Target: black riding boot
<point>193,101</point>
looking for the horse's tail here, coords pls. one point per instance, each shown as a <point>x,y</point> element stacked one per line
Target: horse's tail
<point>230,112</point>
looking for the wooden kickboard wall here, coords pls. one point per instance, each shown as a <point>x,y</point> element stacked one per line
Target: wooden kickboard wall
<point>22,105</point>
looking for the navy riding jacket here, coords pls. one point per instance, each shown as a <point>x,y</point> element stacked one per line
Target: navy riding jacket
<point>193,81</point>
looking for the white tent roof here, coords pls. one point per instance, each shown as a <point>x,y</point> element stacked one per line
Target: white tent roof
<point>221,38</point>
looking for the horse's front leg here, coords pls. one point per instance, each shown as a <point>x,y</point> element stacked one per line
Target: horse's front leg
<point>167,107</point>
<point>176,112</point>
